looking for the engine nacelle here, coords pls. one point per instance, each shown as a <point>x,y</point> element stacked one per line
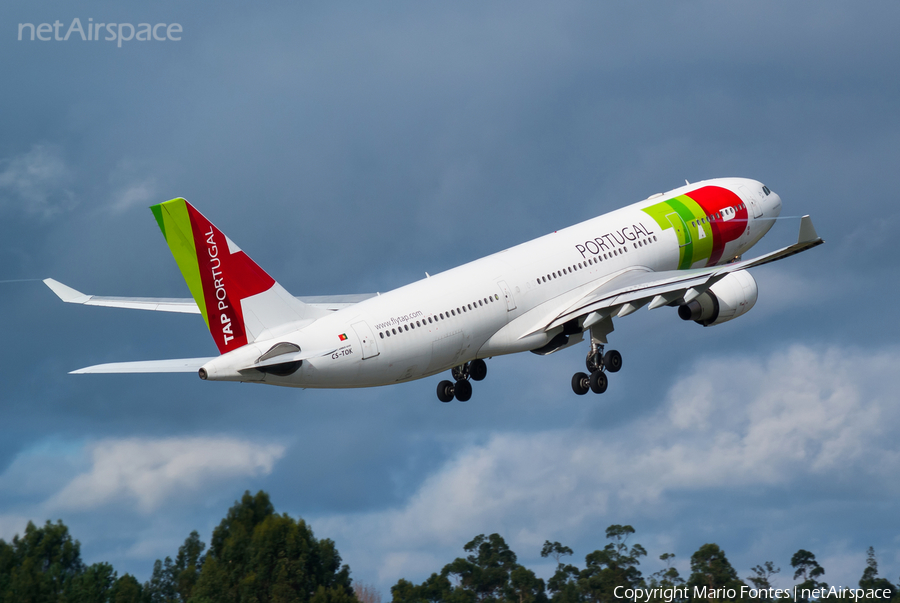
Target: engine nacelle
<point>729,298</point>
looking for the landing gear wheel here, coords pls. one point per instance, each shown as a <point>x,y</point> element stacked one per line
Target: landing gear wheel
<point>612,360</point>
<point>477,369</point>
<point>462,390</point>
<point>445,391</point>
<point>599,382</point>
<point>581,383</point>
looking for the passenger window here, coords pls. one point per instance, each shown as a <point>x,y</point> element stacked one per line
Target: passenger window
<point>394,330</point>
<point>381,334</point>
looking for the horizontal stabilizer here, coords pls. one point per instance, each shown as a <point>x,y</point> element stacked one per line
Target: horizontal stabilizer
<point>160,304</point>
<point>178,365</point>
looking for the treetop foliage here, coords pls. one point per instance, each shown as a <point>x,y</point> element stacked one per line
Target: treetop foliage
<point>258,556</point>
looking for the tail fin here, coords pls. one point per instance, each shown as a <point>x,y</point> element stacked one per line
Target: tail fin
<point>236,297</point>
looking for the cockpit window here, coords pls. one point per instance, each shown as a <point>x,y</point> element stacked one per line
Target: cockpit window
<point>766,190</point>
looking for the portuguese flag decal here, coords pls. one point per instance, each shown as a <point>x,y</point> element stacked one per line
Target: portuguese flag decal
<point>342,337</point>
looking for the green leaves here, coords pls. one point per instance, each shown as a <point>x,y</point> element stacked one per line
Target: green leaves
<point>257,556</point>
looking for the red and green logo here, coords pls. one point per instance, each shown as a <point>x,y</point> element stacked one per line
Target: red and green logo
<point>342,337</point>
<point>217,272</point>
<point>704,221</point>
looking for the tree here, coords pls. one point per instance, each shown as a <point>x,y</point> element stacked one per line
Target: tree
<point>808,569</point>
<point>526,587</point>
<point>762,573</point>
<point>435,589</point>
<point>712,570</point>
<point>563,584</point>
<point>486,572</point>
<point>173,582</point>
<point>94,584</point>
<point>555,550</point>
<point>41,565</point>
<point>870,577</point>
<point>126,590</point>
<point>614,565</point>
<point>257,555</point>
<point>366,593</point>
<point>806,565</point>
<point>668,577</point>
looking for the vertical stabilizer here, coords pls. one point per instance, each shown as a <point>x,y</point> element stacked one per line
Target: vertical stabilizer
<point>238,300</point>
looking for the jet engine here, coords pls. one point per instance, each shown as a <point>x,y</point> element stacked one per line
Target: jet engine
<point>727,299</point>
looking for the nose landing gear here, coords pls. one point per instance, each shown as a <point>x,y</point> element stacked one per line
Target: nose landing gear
<point>461,389</point>
<point>598,364</point>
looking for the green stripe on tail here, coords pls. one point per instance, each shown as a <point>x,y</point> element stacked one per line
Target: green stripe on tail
<point>175,224</point>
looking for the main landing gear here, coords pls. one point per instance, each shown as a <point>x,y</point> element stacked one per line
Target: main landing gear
<point>598,364</point>
<point>462,388</point>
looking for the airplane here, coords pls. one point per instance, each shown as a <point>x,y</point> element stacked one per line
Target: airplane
<point>679,249</point>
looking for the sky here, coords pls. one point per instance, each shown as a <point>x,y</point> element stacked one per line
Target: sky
<point>350,148</point>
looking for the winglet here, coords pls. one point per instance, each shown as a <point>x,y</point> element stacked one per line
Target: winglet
<point>807,230</point>
<point>65,293</point>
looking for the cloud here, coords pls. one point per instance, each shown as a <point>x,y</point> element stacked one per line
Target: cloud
<point>130,186</point>
<point>823,417</point>
<point>153,471</point>
<point>35,181</point>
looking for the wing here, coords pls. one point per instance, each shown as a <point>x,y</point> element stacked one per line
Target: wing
<point>184,305</point>
<point>635,288</point>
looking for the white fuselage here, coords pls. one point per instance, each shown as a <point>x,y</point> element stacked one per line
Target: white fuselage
<point>490,306</point>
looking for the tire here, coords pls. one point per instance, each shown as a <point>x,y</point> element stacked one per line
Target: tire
<point>445,391</point>
<point>478,369</point>
<point>462,390</point>
<point>612,360</point>
<point>581,383</point>
<point>599,382</point>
